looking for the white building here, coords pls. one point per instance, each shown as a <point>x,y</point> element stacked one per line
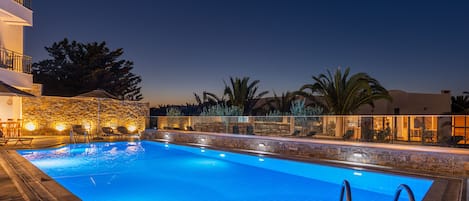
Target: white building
<point>15,67</point>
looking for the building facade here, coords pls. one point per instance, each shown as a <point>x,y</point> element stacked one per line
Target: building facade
<point>15,67</point>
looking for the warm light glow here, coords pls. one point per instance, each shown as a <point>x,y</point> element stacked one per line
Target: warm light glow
<point>60,127</point>
<point>87,126</point>
<point>30,126</point>
<point>132,128</point>
<point>358,155</point>
<point>166,136</point>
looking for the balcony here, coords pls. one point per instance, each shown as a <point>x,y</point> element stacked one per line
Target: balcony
<point>16,12</point>
<point>25,3</point>
<point>15,61</point>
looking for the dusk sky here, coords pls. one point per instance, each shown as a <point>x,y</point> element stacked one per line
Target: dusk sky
<point>184,46</point>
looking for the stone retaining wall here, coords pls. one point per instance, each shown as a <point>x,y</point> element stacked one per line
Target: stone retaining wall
<point>218,125</point>
<point>414,159</point>
<point>46,112</point>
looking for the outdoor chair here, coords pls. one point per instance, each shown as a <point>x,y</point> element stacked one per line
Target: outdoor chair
<point>3,140</point>
<point>78,130</point>
<point>123,130</point>
<point>235,129</point>
<point>311,133</point>
<point>24,140</point>
<point>296,133</point>
<point>348,134</point>
<point>453,140</point>
<point>108,131</point>
<point>249,130</point>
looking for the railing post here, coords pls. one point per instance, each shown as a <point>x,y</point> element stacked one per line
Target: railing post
<point>348,192</point>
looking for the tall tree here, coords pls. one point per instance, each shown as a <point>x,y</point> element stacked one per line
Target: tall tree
<point>208,99</point>
<point>343,94</point>
<point>460,104</point>
<point>243,94</point>
<point>77,67</point>
<point>283,103</point>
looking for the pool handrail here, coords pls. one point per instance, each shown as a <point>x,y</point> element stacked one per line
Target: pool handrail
<point>348,192</point>
<point>406,188</point>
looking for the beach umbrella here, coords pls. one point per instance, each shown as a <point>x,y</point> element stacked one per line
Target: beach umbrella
<point>8,90</point>
<point>99,94</point>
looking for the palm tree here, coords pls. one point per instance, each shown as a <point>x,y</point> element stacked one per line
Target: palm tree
<point>243,94</point>
<point>343,94</point>
<point>208,99</point>
<point>460,104</point>
<point>282,103</point>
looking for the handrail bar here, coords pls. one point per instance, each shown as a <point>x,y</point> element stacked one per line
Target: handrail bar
<point>15,61</point>
<point>348,192</point>
<point>406,188</point>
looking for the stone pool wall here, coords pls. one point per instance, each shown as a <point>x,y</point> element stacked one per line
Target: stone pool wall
<point>47,112</point>
<point>436,161</point>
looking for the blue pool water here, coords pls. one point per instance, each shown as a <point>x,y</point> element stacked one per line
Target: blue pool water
<point>165,172</point>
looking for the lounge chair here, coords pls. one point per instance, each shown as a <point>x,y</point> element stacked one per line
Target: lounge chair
<point>24,140</point>
<point>108,131</point>
<point>453,140</point>
<point>311,133</point>
<point>78,130</point>
<point>123,130</point>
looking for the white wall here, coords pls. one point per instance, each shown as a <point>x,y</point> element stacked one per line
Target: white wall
<point>11,37</point>
<point>10,108</point>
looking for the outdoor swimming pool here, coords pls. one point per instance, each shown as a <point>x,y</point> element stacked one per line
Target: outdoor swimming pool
<point>165,172</point>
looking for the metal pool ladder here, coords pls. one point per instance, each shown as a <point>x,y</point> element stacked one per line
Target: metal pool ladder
<point>348,193</point>
<point>406,188</point>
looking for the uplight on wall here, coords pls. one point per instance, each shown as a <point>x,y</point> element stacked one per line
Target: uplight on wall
<point>87,126</point>
<point>30,126</point>
<point>60,127</point>
<point>132,128</point>
<point>202,140</point>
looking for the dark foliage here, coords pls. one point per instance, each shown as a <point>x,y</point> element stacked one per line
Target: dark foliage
<point>77,67</point>
<point>460,104</point>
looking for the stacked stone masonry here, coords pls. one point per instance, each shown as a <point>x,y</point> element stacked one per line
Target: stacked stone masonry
<point>46,112</point>
<point>419,162</point>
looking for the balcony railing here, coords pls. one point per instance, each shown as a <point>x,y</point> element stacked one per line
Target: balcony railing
<point>15,61</point>
<point>25,3</point>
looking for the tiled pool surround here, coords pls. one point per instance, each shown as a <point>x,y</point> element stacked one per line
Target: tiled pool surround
<point>434,161</point>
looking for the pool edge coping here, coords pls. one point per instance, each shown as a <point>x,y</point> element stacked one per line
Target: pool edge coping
<point>31,182</point>
<point>45,182</point>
